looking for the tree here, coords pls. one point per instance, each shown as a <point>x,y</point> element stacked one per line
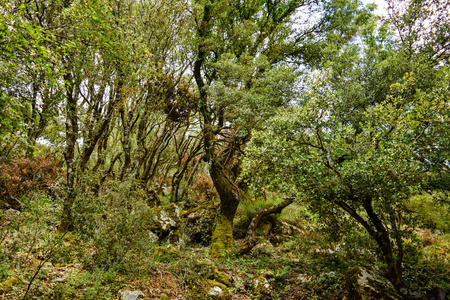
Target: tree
<point>242,50</point>
<point>355,140</point>
<point>28,98</point>
<point>103,66</point>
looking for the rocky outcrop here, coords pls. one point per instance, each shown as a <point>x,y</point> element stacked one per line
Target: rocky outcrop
<point>367,283</point>
<point>200,222</point>
<point>165,223</point>
<point>161,220</point>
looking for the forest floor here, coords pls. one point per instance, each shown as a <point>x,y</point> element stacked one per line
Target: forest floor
<point>36,263</point>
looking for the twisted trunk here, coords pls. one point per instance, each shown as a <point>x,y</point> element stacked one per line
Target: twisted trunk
<point>250,239</point>
<point>222,238</point>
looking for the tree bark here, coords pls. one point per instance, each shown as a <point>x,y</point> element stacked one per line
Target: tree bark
<point>222,238</point>
<point>66,223</point>
<point>250,239</point>
<point>384,242</point>
<point>378,232</point>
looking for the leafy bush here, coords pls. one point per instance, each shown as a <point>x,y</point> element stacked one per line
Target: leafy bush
<point>114,223</point>
<point>429,213</point>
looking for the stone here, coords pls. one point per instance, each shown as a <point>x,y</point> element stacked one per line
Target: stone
<point>262,288</point>
<point>167,253</point>
<point>264,228</point>
<point>217,290</point>
<point>131,295</point>
<point>200,222</point>
<point>163,219</point>
<point>152,237</point>
<point>12,212</point>
<point>304,278</point>
<point>178,238</point>
<point>367,283</point>
<point>284,228</point>
<point>60,280</point>
<point>164,222</point>
<point>211,271</point>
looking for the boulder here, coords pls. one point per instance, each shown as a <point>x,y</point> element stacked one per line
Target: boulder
<point>367,283</point>
<point>12,213</point>
<point>263,248</point>
<point>284,228</point>
<point>200,222</point>
<point>264,228</point>
<point>178,238</point>
<point>167,253</point>
<point>162,220</point>
<point>152,237</point>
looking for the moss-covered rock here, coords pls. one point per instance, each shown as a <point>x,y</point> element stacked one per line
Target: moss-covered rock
<point>216,290</point>
<point>200,222</point>
<point>162,220</point>
<point>167,253</point>
<point>283,231</point>
<point>262,288</point>
<point>209,270</point>
<point>282,227</point>
<point>367,283</point>
<point>264,228</point>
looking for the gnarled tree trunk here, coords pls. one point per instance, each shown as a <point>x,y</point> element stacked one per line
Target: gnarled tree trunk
<point>250,239</point>
<point>222,239</point>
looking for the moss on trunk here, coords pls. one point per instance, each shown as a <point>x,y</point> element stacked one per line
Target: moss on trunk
<point>222,239</point>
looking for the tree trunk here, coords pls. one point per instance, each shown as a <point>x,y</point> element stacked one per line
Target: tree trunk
<point>250,239</point>
<point>384,242</point>
<point>66,223</point>
<point>381,236</point>
<point>222,238</point>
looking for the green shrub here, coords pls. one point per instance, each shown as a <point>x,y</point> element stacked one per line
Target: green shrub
<point>114,223</point>
<point>429,213</point>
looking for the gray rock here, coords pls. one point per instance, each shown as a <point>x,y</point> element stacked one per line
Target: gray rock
<point>131,295</point>
<point>284,228</point>
<point>60,280</point>
<point>12,212</point>
<point>153,237</point>
<point>216,292</point>
<point>367,283</point>
<point>262,288</point>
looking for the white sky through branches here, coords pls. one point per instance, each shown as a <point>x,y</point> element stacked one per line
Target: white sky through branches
<point>382,6</point>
